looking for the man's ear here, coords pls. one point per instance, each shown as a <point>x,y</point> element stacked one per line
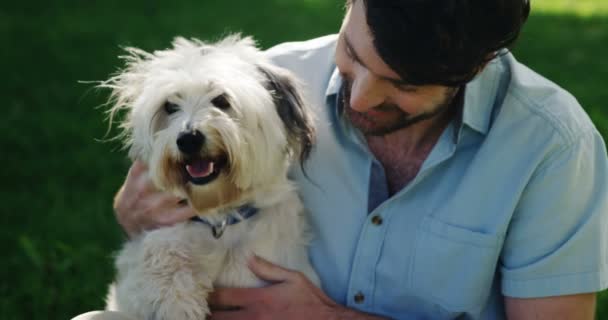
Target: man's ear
<point>291,108</point>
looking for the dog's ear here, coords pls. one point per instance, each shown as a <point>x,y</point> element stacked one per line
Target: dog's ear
<point>291,108</point>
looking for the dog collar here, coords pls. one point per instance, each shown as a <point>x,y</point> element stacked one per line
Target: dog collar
<point>234,217</point>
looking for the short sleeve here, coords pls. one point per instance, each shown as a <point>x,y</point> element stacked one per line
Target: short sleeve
<point>557,241</point>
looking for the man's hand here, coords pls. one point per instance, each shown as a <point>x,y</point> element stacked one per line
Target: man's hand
<point>290,296</point>
<point>140,206</point>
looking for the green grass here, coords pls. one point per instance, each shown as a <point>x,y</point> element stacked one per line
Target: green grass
<point>57,227</point>
<point>584,8</point>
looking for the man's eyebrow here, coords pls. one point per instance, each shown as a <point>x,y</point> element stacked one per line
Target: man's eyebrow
<point>353,53</point>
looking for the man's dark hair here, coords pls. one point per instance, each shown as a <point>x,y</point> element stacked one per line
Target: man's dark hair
<point>442,41</point>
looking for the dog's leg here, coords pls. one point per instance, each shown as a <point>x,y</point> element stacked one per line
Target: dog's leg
<point>167,274</point>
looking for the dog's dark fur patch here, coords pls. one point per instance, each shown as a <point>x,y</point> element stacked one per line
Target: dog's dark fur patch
<point>291,109</point>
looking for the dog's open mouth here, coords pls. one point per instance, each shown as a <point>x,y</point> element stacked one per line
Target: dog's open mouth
<point>201,171</point>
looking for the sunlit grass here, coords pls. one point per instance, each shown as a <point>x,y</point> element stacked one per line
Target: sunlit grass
<point>578,7</point>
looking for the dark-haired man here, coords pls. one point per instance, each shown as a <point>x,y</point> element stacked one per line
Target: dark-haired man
<point>448,181</point>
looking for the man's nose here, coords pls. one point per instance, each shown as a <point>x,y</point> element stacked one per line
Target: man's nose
<point>365,93</point>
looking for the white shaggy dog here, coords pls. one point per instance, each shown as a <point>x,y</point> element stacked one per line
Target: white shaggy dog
<point>218,125</point>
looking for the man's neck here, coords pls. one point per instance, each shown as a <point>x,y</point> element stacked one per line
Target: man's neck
<point>403,152</point>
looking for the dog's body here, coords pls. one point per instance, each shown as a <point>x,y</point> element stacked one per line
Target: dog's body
<point>219,126</point>
<point>168,273</point>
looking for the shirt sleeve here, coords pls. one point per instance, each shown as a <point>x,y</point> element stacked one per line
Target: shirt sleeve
<point>557,241</point>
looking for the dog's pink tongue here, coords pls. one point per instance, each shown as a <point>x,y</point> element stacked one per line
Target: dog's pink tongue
<point>200,168</point>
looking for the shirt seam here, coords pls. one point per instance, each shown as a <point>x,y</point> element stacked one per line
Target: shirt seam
<point>356,266</point>
<point>553,120</point>
<point>471,243</point>
<point>544,165</point>
<point>387,222</point>
<point>603,268</point>
<point>568,283</point>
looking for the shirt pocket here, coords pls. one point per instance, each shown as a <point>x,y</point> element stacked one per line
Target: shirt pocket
<point>454,266</point>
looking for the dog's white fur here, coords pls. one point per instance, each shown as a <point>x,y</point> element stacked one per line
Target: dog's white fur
<point>168,273</point>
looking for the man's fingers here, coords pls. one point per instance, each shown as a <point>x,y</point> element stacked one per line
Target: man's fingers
<point>136,170</point>
<point>138,166</point>
<point>139,205</point>
<point>180,214</point>
<point>137,179</point>
<point>226,298</point>
<point>230,315</point>
<point>164,210</point>
<point>268,271</point>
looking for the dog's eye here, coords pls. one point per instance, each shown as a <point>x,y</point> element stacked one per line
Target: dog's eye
<point>171,107</point>
<point>221,102</point>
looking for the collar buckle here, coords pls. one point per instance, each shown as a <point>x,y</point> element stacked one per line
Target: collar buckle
<point>218,229</point>
<point>238,215</point>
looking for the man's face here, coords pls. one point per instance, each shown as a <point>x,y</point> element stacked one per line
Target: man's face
<point>376,100</point>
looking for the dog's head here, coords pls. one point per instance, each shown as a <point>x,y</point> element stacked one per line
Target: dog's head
<point>214,122</point>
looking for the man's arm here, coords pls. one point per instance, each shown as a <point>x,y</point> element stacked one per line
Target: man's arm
<point>556,244</point>
<point>289,296</point>
<point>578,307</point>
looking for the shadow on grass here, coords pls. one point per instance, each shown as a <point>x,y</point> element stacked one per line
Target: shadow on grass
<point>58,227</point>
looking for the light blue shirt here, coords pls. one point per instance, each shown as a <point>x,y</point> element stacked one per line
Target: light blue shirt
<point>512,200</point>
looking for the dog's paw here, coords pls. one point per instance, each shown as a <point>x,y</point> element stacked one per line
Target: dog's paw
<point>182,296</point>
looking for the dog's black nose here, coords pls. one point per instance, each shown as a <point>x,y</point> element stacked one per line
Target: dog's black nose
<point>190,142</point>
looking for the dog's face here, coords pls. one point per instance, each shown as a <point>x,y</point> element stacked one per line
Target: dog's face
<point>213,122</point>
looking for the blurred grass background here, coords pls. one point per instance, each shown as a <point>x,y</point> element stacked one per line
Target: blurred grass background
<point>57,228</point>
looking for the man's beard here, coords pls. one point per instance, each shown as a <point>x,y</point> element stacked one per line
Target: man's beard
<point>399,119</point>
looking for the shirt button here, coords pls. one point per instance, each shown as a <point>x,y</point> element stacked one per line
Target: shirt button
<point>377,220</point>
<point>359,298</point>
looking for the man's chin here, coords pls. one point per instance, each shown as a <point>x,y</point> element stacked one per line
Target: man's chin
<point>370,127</point>
<point>382,131</point>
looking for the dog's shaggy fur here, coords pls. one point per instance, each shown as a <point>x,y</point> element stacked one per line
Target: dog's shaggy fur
<point>218,125</point>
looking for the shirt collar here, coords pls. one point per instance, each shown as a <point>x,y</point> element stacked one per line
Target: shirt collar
<point>335,82</point>
<point>480,97</point>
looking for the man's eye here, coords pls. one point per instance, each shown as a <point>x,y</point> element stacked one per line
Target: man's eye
<point>170,107</point>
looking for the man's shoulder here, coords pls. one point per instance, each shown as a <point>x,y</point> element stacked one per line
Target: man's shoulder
<point>304,58</point>
<point>544,103</point>
<point>325,44</point>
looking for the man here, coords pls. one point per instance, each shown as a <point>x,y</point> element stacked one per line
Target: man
<point>448,180</point>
